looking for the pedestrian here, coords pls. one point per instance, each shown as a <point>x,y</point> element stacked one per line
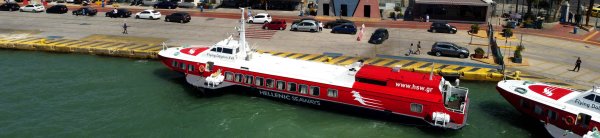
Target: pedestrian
<point>570,17</point>
<point>320,26</point>
<point>426,17</point>
<point>410,51</point>
<point>418,52</point>
<point>249,13</point>
<point>394,16</point>
<point>201,8</point>
<point>577,64</point>
<point>124,28</point>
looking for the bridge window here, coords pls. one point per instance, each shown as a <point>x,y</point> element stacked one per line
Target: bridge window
<point>259,81</point>
<point>270,83</point>
<point>314,90</point>
<point>415,107</point>
<point>332,93</point>
<point>249,79</point>
<point>238,77</point>
<point>303,89</point>
<point>371,81</point>
<point>227,50</point>
<point>291,87</point>
<point>280,85</point>
<point>590,97</point>
<point>228,76</point>
<point>190,67</point>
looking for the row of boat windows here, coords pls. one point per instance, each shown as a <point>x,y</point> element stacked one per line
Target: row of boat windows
<point>279,84</point>
<point>183,66</point>
<point>551,115</point>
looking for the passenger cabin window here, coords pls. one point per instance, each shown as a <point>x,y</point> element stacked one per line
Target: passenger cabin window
<point>417,108</point>
<point>524,103</point>
<point>190,67</point>
<point>270,83</point>
<point>291,87</point>
<point>332,93</point>
<point>314,90</point>
<point>259,81</point>
<point>371,81</point>
<point>182,66</point>
<point>583,120</point>
<point>174,63</point>
<point>238,77</point>
<point>228,76</point>
<point>552,115</point>
<point>280,85</point>
<point>303,89</point>
<point>538,109</point>
<point>249,79</point>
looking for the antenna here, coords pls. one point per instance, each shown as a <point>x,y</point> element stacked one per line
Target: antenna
<point>431,73</point>
<point>164,46</point>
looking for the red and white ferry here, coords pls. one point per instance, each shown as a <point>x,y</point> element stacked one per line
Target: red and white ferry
<point>564,112</point>
<point>231,62</point>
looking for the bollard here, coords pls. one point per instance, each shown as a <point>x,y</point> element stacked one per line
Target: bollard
<point>517,74</point>
<point>43,41</point>
<point>329,59</point>
<point>575,30</point>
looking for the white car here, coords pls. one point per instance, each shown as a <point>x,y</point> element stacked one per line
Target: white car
<point>260,18</point>
<point>148,14</point>
<point>32,8</point>
<point>70,1</point>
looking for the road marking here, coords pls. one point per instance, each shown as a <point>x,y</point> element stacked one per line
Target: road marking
<point>590,36</point>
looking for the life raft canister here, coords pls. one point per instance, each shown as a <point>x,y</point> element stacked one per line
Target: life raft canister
<point>570,120</point>
<point>201,68</point>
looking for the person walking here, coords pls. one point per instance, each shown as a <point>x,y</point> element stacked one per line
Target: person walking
<point>426,17</point>
<point>570,17</point>
<point>577,64</point>
<point>418,52</point>
<point>124,28</point>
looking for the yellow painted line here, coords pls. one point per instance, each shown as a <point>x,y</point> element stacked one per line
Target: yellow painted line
<point>21,40</point>
<point>590,36</point>
<point>110,45</point>
<point>348,61</point>
<point>415,65</point>
<point>400,62</point>
<point>154,49</point>
<point>72,42</point>
<point>296,55</point>
<point>150,47</point>
<point>309,56</point>
<point>134,46</point>
<point>64,43</point>
<point>98,45</point>
<point>56,41</point>
<point>142,48</point>
<point>84,44</point>
<point>118,46</point>
<point>38,40</point>
<point>382,62</point>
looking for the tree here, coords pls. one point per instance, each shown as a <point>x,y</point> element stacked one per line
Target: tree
<point>557,9</point>
<point>530,4</point>
<point>589,13</point>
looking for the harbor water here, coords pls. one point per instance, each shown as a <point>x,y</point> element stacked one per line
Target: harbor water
<point>70,95</point>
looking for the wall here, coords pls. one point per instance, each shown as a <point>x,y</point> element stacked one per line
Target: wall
<point>337,5</point>
<point>374,8</point>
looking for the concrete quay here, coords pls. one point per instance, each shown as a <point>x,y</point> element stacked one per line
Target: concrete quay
<point>549,58</point>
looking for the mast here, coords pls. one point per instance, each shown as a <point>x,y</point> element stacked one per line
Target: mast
<point>243,33</point>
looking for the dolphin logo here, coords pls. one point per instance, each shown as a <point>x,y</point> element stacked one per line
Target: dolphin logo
<point>365,101</point>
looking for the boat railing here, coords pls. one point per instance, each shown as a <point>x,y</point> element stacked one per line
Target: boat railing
<point>456,98</point>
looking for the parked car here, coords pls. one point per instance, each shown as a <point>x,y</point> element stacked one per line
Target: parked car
<point>442,27</point>
<point>180,17</point>
<point>148,14</point>
<point>186,4</point>
<point>85,11</point>
<point>60,9</point>
<point>303,19</point>
<point>275,25</point>
<point>379,36</point>
<point>337,22</point>
<point>260,18</point>
<point>347,28</point>
<point>10,7</point>
<point>70,1</point>
<point>449,49</point>
<point>309,25</point>
<point>165,5</point>
<point>123,13</point>
<point>32,8</point>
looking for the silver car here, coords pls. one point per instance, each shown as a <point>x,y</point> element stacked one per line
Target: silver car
<point>307,25</point>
